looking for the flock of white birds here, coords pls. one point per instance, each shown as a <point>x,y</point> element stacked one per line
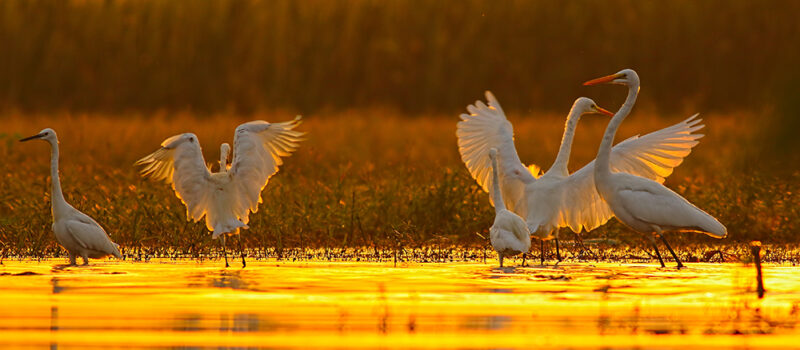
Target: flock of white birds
<point>225,198</point>
<point>624,181</point>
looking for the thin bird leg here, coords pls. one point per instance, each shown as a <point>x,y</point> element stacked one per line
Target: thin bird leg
<point>501,258</point>
<point>241,249</point>
<point>583,246</point>
<point>542,250</point>
<point>523,259</point>
<point>558,252</point>
<point>85,260</point>
<point>72,260</point>
<point>224,253</point>
<point>658,254</point>
<point>680,265</point>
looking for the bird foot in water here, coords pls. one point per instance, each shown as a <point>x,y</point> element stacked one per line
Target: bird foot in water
<point>61,267</point>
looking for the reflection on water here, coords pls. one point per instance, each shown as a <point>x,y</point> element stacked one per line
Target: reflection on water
<point>189,304</point>
<point>188,322</point>
<point>56,287</point>
<point>228,279</point>
<point>480,323</point>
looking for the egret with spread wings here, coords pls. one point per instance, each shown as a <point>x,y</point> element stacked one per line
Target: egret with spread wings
<point>77,232</point>
<point>225,198</point>
<point>557,198</point>
<point>640,203</point>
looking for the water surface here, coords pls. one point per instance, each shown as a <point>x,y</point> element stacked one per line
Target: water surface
<point>277,304</point>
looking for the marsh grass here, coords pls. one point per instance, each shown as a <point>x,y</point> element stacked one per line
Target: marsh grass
<point>367,184</point>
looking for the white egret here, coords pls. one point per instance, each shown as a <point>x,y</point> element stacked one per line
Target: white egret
<point>559,199</point>
<point>509,234</point>
<point>640,203</point>
<point>225,198</point>
<point>77,232</point>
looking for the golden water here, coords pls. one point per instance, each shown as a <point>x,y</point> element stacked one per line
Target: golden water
<point>344,305</point>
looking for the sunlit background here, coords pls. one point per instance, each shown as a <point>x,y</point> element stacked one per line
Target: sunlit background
<point>373,234</point>
<point>381,85</point>
<point>412,56</point>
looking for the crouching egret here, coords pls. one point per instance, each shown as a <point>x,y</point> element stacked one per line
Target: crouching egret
<point>642,204</point>
<point>559,199</point>
<point>225,198</point>
<point>77,232</point>
<point>509,234</point>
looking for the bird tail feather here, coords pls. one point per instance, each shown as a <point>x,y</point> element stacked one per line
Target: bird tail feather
<point>705,223</point>
<point>714,228</point>
<point>115,252</point>
<point>232,226</point>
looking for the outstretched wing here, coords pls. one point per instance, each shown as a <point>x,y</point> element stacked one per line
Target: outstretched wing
<point>180,162</point>
<point>484,128</point>
<point>652,156</point>
<point>257,150</point>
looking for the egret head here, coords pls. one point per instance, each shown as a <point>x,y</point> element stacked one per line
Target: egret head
<point>178,140</point>
<point>623,77</point>
<point>584,105</point>
<point>47,134</point>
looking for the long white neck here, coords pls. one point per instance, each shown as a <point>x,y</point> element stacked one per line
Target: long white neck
<point>58,203</point>
<point>602,165</point>
<point>224,149</point>
<point>560,164</point>
<point>497,197</point>
<point>223,163</point>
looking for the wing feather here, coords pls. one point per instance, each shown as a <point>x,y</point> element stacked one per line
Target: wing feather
<point>649,202</point>
<point>90,235</point>
<point>653,156</point>
<point>180,162</point>
<point>257,152</point>
<point>484,128</point>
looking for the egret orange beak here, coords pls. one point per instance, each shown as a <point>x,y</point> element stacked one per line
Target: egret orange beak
<point>604,80</point>
<point>605,111</point>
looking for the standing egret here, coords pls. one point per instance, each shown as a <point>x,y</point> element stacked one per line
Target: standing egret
<point>559,199</point>
<point>642,204</point>
<point>77,232</point>
<point>509,234</point>
<point>225,198</point>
